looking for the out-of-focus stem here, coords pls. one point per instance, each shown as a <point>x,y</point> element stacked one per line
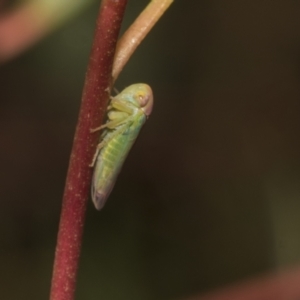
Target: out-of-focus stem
<point>25,24</point>
<point>137,32</point>
<point>278,286</point>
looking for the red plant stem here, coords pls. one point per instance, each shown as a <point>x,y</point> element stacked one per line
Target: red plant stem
<point>94,103</point>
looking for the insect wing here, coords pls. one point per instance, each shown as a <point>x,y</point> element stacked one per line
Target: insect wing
<point>99,196</point>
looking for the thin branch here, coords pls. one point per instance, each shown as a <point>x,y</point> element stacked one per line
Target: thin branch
<point>94,103</point>
<point>137,32</point>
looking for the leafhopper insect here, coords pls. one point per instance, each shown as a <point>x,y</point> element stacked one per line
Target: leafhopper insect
<point>127,112</point>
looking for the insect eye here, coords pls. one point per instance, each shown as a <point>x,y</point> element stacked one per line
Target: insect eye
<point>143,99</point>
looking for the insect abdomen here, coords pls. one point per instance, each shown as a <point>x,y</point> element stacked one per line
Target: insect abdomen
<point>110,162</point>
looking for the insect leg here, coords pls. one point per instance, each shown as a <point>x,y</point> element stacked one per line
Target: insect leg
<point>116,119</point>
<point>99,147</point>
<point>121,106</point>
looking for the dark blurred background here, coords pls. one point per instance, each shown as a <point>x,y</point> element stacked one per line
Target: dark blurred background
<point>209,195</point>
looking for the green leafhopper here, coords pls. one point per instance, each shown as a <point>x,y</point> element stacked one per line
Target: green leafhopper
<point>127,112</point>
